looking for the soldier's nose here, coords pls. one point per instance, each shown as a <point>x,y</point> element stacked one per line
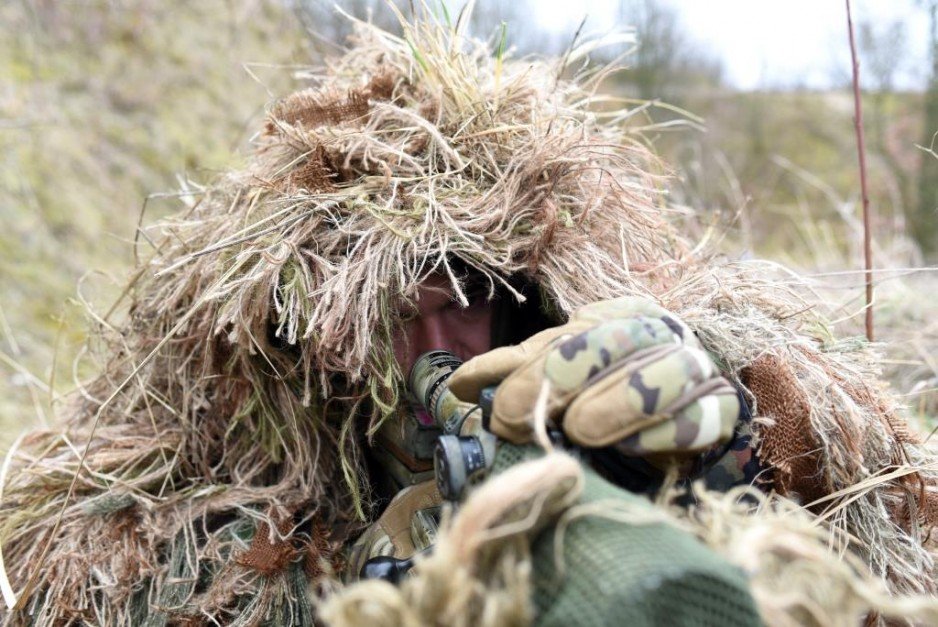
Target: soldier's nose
<point>434,334</point>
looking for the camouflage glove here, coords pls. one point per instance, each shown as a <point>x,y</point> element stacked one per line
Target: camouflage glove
<point>622,372</point>
<point>407,526</point>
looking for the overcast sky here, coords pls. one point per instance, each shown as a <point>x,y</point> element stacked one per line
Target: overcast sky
<point>765,43</point>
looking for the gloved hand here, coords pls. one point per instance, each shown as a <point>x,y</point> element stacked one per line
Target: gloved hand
<point>400,532</point>
<point>622,372</point>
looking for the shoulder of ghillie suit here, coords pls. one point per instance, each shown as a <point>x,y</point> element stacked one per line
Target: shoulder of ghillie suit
<point>223,442</point>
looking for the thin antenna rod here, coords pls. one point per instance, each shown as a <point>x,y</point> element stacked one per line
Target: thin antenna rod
<point>861,149</point>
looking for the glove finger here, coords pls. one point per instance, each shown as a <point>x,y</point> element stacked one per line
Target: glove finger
<point>570,365</point>
<point>622,307</point>
<point>648,389</point>
<point>707,421</point>
<point>477,373</point>
<point>489,368</point>
<point>577,361</point>
<point>630,307</point>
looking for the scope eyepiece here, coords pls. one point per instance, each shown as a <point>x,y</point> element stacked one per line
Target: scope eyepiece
<point>459,461</point>
<point>465,451</point>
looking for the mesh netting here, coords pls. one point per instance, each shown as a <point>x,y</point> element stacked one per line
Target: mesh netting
<point>789,446</point>
<point>617,573</point>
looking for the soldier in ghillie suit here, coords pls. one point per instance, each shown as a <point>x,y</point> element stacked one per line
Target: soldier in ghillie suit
<point>217,471</point>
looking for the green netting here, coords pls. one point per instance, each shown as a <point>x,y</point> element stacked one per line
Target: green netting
<point>627,574</point>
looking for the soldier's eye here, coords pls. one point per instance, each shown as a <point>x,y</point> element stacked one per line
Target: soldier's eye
<point>407,314</point>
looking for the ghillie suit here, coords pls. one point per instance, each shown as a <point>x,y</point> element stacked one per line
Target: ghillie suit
<point>223,443</point>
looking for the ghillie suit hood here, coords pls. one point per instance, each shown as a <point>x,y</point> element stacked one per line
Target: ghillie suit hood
<point>224,436</point>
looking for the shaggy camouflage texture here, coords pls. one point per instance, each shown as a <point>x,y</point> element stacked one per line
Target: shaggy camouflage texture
<point>214,468</point>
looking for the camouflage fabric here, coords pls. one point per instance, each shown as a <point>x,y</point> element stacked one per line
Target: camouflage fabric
<point>406,526</point>
<point>735,463</point>
<point>623,373</point>
<point>721,467</point>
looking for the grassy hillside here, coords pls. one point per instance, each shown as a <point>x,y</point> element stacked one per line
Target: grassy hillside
<point>778,172</point>
<point>101,107</point>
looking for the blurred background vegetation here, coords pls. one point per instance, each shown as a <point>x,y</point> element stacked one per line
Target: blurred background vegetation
<point>109,109</point>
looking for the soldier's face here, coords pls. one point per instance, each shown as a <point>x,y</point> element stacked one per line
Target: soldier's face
<point>438,321</point>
